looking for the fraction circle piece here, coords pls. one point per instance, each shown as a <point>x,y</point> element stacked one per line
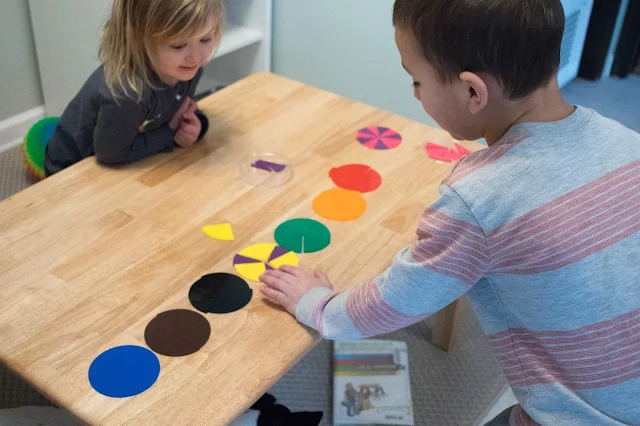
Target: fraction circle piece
<point>376,137</point>
<point>220,293</point>
<point>177,333</point>
<point>303,235</point>
<point>254,260</point>
<point>266,169</point>
<point>340,205</point>
<point>222,232</point>
<point>356,177</point>
<point>124,371</point>
<point>446,154</point>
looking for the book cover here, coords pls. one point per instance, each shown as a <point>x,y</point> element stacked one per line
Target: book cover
<point>371,383</point>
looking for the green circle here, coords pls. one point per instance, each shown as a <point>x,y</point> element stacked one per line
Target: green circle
<point>303,235</point>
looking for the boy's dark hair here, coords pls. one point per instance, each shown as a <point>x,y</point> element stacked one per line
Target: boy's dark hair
<point>516,41</point>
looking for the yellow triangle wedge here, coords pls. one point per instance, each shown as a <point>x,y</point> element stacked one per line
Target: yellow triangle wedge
<point>222,232</point>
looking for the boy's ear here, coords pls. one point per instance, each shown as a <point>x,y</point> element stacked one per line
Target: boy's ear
<point>478,92</point>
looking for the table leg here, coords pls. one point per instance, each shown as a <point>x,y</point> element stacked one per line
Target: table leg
<point>447,324</point>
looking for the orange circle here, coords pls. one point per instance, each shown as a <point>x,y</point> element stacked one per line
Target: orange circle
<point>340,205</point>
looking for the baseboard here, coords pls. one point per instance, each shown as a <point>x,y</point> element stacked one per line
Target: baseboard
<point>13,129</point>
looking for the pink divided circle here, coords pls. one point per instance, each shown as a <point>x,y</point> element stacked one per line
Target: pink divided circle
<point>376,137</point>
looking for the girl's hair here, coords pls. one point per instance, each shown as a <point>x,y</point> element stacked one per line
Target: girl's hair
<point>136,27</point>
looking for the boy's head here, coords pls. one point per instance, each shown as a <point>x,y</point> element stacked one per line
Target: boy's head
<point>169,38</point>
<point>467,56</point>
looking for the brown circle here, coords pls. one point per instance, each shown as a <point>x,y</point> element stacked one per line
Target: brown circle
<point>177,333</point>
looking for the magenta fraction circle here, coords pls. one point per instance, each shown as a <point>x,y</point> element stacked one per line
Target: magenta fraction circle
<point>376,137</point>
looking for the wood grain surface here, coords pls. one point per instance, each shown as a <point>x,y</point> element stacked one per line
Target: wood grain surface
<point>92,254</point>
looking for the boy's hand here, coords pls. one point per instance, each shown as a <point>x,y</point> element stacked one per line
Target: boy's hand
<point>189,128</point>
<point>287,285</point>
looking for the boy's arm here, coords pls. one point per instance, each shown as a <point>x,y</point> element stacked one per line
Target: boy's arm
<point>449,257</point>
<point>117,138</point>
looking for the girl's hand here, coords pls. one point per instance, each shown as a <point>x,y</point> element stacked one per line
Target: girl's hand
<point>186,105</point>
<point>189,129</point>
<point>287,285</point>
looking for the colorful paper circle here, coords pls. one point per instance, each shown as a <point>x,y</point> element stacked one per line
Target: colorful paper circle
<point>256,259</point>
<point>340,205</point>
<point>303,235</point>
<point>220,293</point>
<point>124,371</point>
<point>179,332</point>
<point>356,177</point>
<point>376,137</point>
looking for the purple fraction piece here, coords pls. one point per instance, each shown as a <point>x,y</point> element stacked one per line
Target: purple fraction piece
<point>269,166</point>
<point>239,259</point>
<point>269,267</point>
<point>381,145</point>
<point>277,167</point>
<point>393,136</point>
<point>277,252</point>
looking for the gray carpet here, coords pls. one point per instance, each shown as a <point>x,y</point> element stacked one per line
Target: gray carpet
<point>13,175</point>
<point>612,97</point>
<point>448,388</point>
<point>14,392</point>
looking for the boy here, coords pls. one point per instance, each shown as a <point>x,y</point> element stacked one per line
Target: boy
<point>541,229</point>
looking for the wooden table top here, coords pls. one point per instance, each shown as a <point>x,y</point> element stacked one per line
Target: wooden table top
<point>92,254</point>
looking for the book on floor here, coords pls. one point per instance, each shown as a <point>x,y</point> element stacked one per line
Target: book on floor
<point>371,383</point>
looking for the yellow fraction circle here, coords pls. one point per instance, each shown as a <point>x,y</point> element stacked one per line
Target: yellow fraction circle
<point>253,260</point>
<point>340,205</point>
<point>259,252</point>
<point>251,271</point>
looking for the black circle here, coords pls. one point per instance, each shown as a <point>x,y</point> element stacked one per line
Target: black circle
<point>220,293</point>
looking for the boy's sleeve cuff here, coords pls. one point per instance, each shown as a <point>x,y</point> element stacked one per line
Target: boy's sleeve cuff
<point>308,304</point>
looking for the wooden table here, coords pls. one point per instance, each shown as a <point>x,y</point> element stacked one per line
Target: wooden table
<point>92,254</point>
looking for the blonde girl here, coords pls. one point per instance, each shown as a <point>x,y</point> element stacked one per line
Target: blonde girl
<point>139,102</point>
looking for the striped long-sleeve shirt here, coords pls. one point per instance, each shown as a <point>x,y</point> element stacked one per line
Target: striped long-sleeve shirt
<point>542,232</point>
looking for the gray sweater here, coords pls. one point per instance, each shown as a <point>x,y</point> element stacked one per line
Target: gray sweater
<point>117,131</point>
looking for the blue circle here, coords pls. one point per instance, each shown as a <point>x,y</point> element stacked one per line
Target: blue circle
<point>124,371</point>
<point>48,130</point>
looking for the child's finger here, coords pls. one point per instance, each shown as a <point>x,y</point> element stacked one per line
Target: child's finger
<point>292,270</point>
<point>274,295</point>
<point>189,127</point>
<point>189,116</point>
<point>184,107</point>
<point>193,106</point>
<point>182,139</point>
<point>189,133</point>
<point>276,280</point>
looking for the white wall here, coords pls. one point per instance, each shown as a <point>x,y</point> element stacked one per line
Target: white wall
<point>19,79</point>
<point>347,47</point>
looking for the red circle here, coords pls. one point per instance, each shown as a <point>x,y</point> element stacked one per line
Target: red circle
<point>356,177</point>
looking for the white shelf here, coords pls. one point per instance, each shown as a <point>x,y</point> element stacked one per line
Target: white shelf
<point>236,37</point>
